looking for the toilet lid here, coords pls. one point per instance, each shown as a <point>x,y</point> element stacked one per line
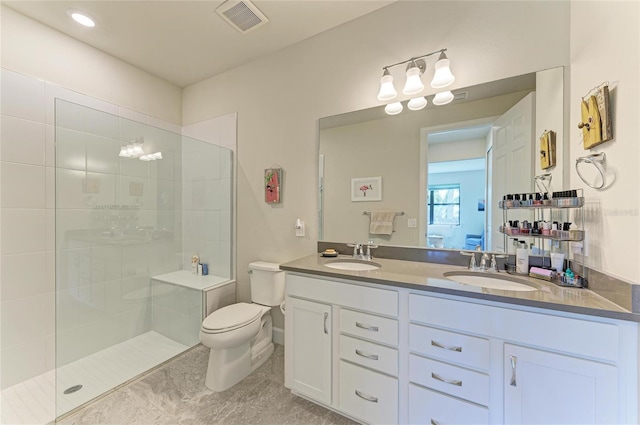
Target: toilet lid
<point>232,316</point>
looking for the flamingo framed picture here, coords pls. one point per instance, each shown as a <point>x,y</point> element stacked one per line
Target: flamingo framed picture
<point>272,185</point>
<point>365,189</point>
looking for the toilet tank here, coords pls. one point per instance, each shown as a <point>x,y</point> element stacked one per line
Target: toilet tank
<point>267,283</point>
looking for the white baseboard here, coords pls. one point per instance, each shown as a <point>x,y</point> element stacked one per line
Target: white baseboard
<point>278,336</point>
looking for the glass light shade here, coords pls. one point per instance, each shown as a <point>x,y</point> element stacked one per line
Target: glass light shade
<point>393,108</point>
<point>443,76</point>
<point>417,103</point>
<point>145,158</point>
<point>414,83</point>
<point>124,152</point>
<point>387,90</point>
<point>442,98</point>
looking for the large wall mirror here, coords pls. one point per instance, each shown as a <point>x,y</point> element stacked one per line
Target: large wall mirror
<point>442,169</point>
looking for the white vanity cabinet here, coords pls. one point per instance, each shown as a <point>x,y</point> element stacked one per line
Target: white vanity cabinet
<point>384,355</point>
<point>359,375</point>
<point>548,388</point>
<point>542,369</point>
<point>309,340</point>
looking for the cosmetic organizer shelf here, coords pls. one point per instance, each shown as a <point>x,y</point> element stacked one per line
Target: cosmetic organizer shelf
<point>556,235</point>
<point>557,205</point>
<point>576,202</point>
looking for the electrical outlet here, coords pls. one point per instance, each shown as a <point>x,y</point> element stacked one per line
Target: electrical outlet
<point>412,222</point>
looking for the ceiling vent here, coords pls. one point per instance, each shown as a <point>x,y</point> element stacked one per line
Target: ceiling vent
<point>459,97</point>
<point>242,15</point>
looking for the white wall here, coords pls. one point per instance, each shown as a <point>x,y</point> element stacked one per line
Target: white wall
<point>33,49</point>
<point>609,51</point>
<point>279,98</point>
<point>550,115</point>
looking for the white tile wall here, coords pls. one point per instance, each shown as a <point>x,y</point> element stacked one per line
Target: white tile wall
<point>103,288</point>
<point>22,141</point>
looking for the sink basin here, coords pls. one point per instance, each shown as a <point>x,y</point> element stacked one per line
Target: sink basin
<point>491,281</point>
<point>353,265</point>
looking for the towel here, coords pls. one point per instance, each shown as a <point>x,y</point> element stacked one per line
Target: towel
<point>382,222</point>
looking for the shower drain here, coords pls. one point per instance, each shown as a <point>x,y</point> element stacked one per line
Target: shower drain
<point>73,389</point>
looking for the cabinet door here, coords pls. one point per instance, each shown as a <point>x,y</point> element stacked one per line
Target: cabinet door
<point>546,388</point>
<point>308,337</point>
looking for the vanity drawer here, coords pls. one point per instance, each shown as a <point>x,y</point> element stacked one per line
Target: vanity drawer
<point>368,326</point>
<point>368,395</point>
<point>454,380</point>
<point>450,346</point>
<point>430,407</point>
<point>368,354</point>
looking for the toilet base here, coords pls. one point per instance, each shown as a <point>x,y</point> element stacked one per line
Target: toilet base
<point>229,366</point>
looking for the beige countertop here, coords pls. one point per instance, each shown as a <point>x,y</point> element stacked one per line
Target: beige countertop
<point>430,277</point>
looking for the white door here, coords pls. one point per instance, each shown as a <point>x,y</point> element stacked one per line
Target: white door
<point>512,161</point>
<point>308,348</point>
<point>546,388</point>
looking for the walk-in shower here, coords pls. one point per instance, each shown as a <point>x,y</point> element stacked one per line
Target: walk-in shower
<point>132,202</point>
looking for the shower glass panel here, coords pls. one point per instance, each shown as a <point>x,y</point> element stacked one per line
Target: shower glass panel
<point>132,202</point>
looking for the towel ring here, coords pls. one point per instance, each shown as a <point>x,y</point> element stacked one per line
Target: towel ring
<point>597,160</point>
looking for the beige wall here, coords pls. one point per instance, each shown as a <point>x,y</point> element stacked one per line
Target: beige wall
<point>609,52</point>
<point>279,98</point>
<point>33,49</point>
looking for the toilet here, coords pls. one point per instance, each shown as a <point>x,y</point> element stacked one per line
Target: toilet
<point>239,335</point>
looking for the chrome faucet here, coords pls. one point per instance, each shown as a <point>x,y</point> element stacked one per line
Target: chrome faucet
<point>483,261</point>
<point>472,259</point>
<point>358,250</point>
<point>494,263</point>
<point>370,244</point>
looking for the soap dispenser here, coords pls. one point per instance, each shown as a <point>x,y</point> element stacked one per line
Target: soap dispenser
<point>522,258</point>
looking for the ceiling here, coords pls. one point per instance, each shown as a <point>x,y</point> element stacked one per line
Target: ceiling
<point>184,42</point>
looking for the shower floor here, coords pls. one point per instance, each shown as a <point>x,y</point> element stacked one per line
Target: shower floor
<point>33,401</point>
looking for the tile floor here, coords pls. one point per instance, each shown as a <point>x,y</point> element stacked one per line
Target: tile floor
<point>175,394</point>
<point>34,401</point>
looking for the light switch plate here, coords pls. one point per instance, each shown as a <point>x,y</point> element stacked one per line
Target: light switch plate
<point>412,222</point>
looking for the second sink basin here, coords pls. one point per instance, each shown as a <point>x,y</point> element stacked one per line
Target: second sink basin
<point>353,265</point>
<point>491,281</point>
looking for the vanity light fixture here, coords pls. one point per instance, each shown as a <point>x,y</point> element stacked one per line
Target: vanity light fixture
<point>443,98</point>
<point>414,85</point>
<point>417,103</point>
<point>393,108</point>
<point>443,76</point>
<point>387,91</point>
<point>416,66</point>
<point>81,17</point>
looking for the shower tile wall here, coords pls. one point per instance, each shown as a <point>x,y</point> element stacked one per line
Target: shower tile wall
<point>206,205</point>
<point>27,225</point>
<point>27,251</point>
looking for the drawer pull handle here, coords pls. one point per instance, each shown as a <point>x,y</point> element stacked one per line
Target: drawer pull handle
<point>514,360</point>
<point>434,422</point>
<point>446,381</point>
<point>366,397</point>
<point>367,356</point>
<point>326,316</point>
<point>446,347</point>
<point>366,327</point>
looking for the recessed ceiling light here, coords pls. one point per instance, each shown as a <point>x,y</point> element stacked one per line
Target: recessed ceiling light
<point>81,17</point>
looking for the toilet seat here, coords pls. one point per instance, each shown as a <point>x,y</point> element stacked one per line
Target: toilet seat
<point>231,317</point>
